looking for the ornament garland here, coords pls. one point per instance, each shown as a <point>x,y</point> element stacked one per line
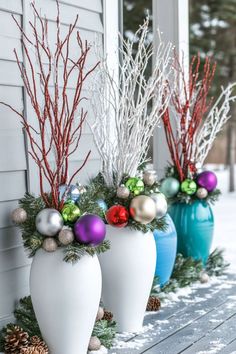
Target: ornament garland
<point>141,207</point>
<point>191,132</point>
<point>24,336</point>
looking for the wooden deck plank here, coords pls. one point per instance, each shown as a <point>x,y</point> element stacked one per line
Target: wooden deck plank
<point>222,336</point>
<point>230,349</point>
<point>192,333</point>
<point>177,317</point>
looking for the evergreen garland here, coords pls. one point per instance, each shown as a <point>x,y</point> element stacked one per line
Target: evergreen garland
<point>188,270</point>
<point>181,197</point>
<point>26,319</point>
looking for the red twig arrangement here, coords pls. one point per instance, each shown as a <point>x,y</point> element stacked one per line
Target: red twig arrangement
<point>55,101</point>
<point>189,104</point>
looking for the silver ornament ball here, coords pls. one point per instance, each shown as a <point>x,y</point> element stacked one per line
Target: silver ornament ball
<point>204,278</point>
<point>100,313</point>
<point>19,216</point>
<point>66,236</point>
<point>149,177</point>
<point>122,192</point>
<point>94,343</point>
<point>50,244</point>
<point>143,209</point>
<point>202,193</point>
<point>161,204</point>
<point>49,222</point>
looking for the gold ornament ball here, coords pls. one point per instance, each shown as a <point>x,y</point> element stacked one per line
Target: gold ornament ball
<point>49,244</point>
<point>123,192</point>
<point>100,313</point>
<point>149,177</point>
<point>94,343</point>
<point>66,236</point>
<point>19,216</point>
<point>202,193</point>
<point>143,209</point>
<point>204,278</point>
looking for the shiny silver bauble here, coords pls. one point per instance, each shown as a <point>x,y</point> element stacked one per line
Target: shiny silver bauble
<point>161,204</point>
<point>49,222</point>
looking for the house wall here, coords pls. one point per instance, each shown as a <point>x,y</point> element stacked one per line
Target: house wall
<point>17,173</point>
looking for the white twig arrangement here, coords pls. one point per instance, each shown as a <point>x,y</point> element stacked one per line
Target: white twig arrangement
<point>213,124</point>
<point>126,112</point>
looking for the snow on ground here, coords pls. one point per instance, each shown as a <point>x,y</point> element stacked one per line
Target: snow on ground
<point>225,220</point>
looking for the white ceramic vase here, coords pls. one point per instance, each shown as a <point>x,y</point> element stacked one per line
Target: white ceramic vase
<point>128,270</point>
<point>65,299</point>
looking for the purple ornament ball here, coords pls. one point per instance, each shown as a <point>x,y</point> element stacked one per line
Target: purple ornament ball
<point>208,180</point>
<point>90,229</point>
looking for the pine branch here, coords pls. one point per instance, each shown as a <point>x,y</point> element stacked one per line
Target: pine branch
<point>76,251</point>
<point>105,331</point>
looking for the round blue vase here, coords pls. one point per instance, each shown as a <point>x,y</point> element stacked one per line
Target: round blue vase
<point>166,245</point>
<point>195,227</point>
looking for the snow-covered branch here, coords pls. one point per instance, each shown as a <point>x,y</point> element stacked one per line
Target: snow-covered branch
<point>126,112</point>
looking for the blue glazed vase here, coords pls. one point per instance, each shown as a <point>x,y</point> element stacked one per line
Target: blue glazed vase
<point>195,227</point>
<point>166,246</point>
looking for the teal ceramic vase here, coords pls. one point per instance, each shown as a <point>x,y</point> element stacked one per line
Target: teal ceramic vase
<point>166,247</point>
<point>195,226</point>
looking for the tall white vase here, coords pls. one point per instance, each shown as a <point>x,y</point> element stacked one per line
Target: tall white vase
<point>65,299</point>
<point>128,269</point>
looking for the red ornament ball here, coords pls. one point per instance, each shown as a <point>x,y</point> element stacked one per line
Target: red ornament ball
<point>117,216</point>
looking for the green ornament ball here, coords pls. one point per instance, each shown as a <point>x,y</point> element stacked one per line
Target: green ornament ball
<point>70,212</point>
<point>188,186</point>
<point>170,187</point>
<point>135,185</point>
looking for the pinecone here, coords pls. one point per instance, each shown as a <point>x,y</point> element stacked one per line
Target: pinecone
<point>35,349</point>
<point>154,304</point>
<point>107,315</point>
<point>15,339</point>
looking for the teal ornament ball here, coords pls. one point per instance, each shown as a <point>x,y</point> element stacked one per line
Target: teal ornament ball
<point>170,187</point>
<point>102,204</point>
<point>70,212</point>
<point>188,186</point>
<point>135,185</point>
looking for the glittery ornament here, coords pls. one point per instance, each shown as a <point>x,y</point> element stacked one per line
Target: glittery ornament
<point>49,222</point>
<point>149,177</point>
<point>202,193</point>
<point>94,343</point>
<point>19,216</point>
<point>70,212</point>
<point>66,236</point>
<point>122,192</point>
<point>208,180</point>
<point>117,216</point>
<point>188,186</point>
<point>135,185</point>
<point>90,229</point>
<point>50,244</point>
<point>74,193</point>
<point>161,204</point>
<point>143,209</point>
<point>170,187</point>
<point>100,313</point>
<point>102,204</point>
<point>204,278</point>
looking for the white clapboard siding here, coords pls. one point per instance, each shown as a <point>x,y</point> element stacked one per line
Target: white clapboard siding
<point>17,173</point>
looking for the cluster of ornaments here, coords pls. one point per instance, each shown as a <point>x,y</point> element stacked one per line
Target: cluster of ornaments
<point>204,183</point>
<point>68,226</point>
<point>142,208</point>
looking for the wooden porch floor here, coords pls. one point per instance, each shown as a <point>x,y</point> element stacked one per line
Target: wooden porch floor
<point>198,322</point>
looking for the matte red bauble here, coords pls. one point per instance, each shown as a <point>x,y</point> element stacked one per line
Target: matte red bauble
<point>117,216</point>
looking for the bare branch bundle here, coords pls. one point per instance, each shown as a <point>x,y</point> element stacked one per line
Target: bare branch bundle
<point>58,127</point>
<point>124,121</point>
